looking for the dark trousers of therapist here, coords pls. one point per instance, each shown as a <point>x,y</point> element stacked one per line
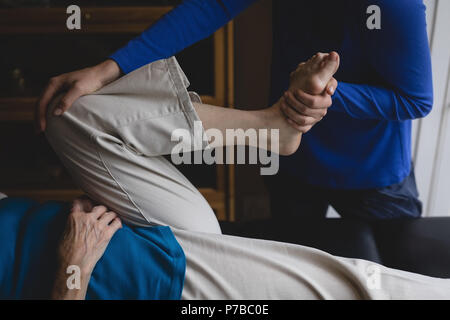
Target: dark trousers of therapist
<point>292,198</point>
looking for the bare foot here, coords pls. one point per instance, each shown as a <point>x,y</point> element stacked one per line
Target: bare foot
<point>312,77</point>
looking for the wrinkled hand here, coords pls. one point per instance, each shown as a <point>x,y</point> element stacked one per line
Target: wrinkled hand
<point>304,110</point>
<point>87,234</point>
<point>74,85</point>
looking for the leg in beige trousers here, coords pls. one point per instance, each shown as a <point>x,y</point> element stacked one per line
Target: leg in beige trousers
<point>112,142</point>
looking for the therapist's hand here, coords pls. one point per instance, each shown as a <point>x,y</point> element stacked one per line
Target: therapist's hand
<point>304,110</point>
<point>74,85</point>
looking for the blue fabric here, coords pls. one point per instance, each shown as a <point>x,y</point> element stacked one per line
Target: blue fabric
<point>385,78</point>
<point>139,263</point>
<point>290,199</point>
<point>191,21</point>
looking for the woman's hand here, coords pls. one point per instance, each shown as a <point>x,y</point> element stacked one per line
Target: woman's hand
<point>311,86</point>
<point>304,110</point>
<point>87,234</point>
<point>74,84</point>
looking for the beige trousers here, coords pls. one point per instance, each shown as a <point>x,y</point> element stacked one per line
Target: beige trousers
<point>113,142</point>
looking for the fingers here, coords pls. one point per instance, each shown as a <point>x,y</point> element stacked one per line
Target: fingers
<point>300,122</point>
<point>313,101</point>
<point>86,203</point>
<point>65,82</point>
<point>303,109</point>
<point>53,87</point>
<point>77,205</point>
<point>107,221</point>
<point>115,225</point>
<point>67,100</point>
<point>106,218</point>
<point>86,237</point>
<point>302,129</point>
<point>98,211</point>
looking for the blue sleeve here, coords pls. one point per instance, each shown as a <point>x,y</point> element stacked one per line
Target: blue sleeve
<point>400,56</point>
<point>189,22</point>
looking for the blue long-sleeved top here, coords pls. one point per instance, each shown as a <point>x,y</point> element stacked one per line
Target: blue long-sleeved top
<point>384,79</point>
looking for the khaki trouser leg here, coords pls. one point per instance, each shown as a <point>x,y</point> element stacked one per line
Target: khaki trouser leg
<point>112,142</point>
<point>226,267</point>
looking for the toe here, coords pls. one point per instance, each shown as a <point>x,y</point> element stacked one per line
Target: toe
<point>329,67</point>
<point>318,57</point>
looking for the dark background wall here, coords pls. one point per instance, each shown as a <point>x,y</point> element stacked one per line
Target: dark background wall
<point>253,44</point>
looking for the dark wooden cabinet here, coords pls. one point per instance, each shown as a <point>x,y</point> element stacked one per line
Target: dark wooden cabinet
<point>35,39</point>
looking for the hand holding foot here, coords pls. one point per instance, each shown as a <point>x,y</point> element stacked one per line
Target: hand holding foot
<point>313,75</point>
<point>309,95</point>
<point>308,82</point>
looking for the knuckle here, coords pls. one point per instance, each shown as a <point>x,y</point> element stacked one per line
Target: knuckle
<point>110,215</point>
<point>302,108</point>
<point>299,94</point>
<point>301,121</point>
<point>287,109</point>
<point>288,97</point>
<point>294,115</point>
<point>53,81</point>
<point>78,87</point>
<point>74,214</point>
<point>99,208</point>
<point>306,99</point>
<point>63,103</point>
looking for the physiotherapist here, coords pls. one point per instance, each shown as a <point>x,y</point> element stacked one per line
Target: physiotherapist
<point>358,157</point>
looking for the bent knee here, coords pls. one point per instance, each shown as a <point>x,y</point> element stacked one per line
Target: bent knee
<point>61,129</point>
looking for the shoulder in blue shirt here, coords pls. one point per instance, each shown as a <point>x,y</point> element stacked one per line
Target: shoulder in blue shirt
<point>139,263</point>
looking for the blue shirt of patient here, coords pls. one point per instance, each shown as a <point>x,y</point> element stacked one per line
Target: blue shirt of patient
<point>139,263</point>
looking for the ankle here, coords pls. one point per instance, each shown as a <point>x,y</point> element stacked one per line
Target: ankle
<point>289,138</point>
